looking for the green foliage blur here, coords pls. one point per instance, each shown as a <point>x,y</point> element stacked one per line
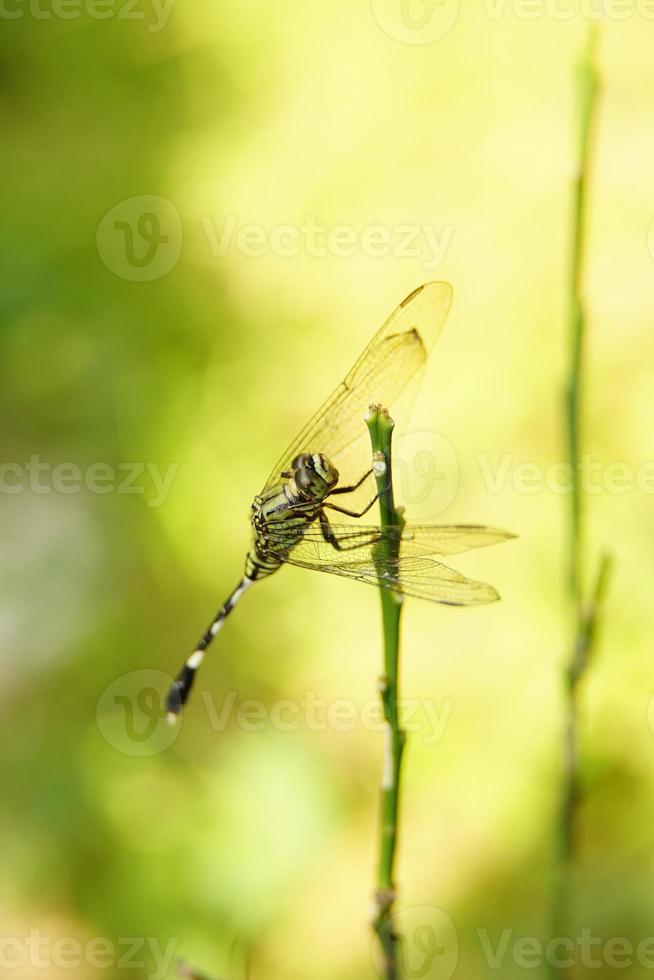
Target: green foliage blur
<point>143,405</point>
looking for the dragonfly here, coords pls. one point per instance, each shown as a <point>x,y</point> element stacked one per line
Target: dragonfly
<point>292,518</point>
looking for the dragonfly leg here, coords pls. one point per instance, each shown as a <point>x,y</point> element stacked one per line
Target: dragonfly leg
<point>351,513</point>
<point>330,537</point>
<point>354,487</point>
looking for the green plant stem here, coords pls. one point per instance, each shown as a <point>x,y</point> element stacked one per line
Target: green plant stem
<point>584,614</point>
<point>587,95</point>
<point>380,426</point>
<point>589,614</point>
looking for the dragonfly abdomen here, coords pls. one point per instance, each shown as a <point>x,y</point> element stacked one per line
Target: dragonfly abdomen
<point>259,564</point>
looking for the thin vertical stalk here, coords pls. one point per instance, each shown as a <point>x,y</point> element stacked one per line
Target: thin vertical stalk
<point>584,612</point>
<point>380,426</point>
<point>587,96</point>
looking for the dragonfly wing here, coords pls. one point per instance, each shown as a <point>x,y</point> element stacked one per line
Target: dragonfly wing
<point>357,542</point>
<point>423,578</point>
<point>394,356</point>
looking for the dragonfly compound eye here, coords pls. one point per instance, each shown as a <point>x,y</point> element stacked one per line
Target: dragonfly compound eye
<point>325,469</point>
<point>304,479</point>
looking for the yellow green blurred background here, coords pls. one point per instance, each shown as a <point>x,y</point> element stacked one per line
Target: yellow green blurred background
<point>242,842</point>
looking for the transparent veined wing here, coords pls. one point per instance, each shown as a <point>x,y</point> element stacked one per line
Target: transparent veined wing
<point>358,543</point>
<point>392,358</point>
<point>423,578</point>
<point>412,572</point>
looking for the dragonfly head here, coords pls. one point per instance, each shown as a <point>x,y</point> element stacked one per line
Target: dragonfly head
<point>314,475</point>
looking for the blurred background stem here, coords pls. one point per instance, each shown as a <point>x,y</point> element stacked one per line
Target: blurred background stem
<point>380,426</point>
<point>585,603</point>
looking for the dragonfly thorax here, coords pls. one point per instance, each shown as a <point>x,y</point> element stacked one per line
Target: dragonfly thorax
<point>286,509</point>
<point>313,475</point>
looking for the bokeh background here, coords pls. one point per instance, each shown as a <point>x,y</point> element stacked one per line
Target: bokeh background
<point>246,844</point>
